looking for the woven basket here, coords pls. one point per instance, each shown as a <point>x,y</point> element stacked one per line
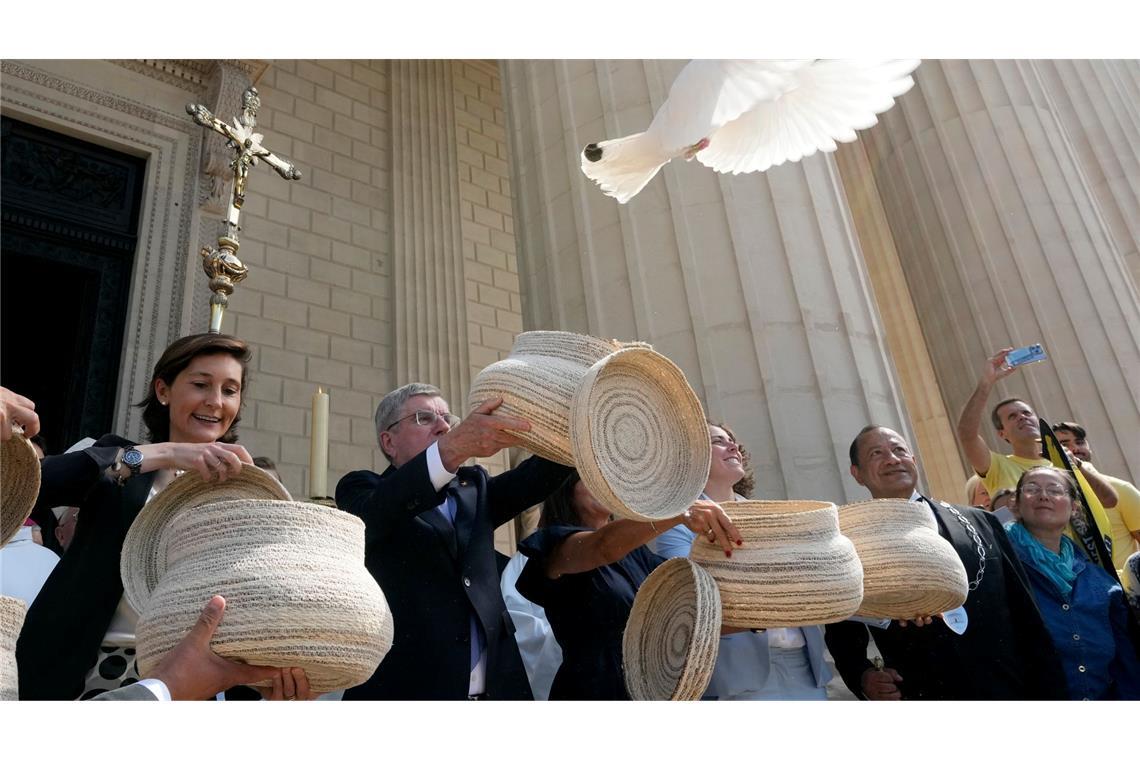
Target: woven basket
<point>639,436</point>
<point>143,561</point>
<point>296,588</point>
<point>11,621</point>
<point>794,568</point>
<point>909,570</point>
<point>672,638</point>
<point>537,383</point>
<point>19,484</point>
<point>622,414</point>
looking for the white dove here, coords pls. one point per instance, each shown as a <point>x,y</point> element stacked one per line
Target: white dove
<point>747,116</point>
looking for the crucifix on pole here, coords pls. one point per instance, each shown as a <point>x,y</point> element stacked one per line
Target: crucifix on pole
<point>222,265</point>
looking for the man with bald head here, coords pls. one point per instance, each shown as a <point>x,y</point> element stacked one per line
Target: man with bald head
<point>1004,651</point>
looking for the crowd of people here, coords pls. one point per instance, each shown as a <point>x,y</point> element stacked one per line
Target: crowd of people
<point>1046,620</point>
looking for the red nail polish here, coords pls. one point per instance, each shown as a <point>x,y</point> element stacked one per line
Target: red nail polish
<point>727,553</point>
<point>740,543</point>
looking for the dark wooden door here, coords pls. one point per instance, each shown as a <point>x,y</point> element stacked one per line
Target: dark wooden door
<point>70,213</point>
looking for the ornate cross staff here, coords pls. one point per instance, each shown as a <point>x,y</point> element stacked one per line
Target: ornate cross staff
<point>222,265</point>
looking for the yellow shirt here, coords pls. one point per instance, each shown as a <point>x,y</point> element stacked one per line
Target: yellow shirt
<point>1125,520</point>
<point>1006,470</point>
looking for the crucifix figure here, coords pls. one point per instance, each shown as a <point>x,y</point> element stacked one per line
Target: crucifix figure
<point>222,264</point>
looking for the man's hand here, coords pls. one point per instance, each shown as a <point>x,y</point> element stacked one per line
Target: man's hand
<point>480,434</point>
<point>288,684</point>
<point>192,671</point>
<point>17,410</point>
<point>919,621</point>
<point>995,368</point>
<point>880,684</point>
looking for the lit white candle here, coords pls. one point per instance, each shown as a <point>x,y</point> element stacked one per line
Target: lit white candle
<point>319,446</point>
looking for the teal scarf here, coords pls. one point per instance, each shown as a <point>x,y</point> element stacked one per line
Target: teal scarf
<point>1058,568</point>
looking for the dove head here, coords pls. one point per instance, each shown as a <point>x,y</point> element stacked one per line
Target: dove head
<point>593,152</point>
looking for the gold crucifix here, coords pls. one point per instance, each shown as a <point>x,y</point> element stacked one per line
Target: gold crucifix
<point>222,265</point>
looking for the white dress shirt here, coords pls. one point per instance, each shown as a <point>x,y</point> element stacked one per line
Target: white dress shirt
<point>440,477</point>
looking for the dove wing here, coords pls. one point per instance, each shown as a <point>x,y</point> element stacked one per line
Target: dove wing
<point>831,101</point>
<point>708,94</point>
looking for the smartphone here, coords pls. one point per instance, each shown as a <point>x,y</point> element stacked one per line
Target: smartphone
<point>1025,355</point>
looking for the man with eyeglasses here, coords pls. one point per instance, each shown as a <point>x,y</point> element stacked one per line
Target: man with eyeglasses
<point>429,542</point>
<point>999,647</point>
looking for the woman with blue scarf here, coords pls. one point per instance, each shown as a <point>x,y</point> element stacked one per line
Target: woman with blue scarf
<point>1082,606</point>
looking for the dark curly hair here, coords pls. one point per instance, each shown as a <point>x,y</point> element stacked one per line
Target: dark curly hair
<point>176,358</point>
<point>746,485</point>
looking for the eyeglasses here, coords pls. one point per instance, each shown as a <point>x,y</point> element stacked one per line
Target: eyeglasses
<point>1054,491</point>
<point>426,418</point>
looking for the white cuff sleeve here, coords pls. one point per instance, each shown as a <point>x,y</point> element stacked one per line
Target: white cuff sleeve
<point>440,477</point>
<point>157,688</point>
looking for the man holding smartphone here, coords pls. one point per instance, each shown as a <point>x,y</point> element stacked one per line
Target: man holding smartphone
<point>1017,424</point>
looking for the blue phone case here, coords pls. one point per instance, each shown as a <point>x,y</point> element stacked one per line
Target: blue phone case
<point>1025,355</point>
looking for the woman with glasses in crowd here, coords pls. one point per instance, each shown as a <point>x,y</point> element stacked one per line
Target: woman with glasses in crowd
<point>776,664</point>
<point>1082,605</point>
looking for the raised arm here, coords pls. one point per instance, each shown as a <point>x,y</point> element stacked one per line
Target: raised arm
<point>586,550</point>
<point>970,421</point>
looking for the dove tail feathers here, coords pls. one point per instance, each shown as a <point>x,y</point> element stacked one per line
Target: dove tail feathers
<point>623,166</point>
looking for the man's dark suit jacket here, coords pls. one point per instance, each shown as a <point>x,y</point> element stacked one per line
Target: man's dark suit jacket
<point>434,576</point>
<point>1005,652</point>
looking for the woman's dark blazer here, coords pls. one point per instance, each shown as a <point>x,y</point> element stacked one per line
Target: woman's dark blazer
<point>64,627</point>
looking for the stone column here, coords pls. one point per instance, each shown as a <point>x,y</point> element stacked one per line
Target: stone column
<point>753,285</point>
<point>987,181</point>
<point>429,315</point>
<point>1098,106</point>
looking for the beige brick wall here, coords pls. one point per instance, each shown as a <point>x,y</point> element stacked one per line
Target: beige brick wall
<point>315,304</point>
<point>494,309</point>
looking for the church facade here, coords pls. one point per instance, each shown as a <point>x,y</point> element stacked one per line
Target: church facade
<point>441,211</point>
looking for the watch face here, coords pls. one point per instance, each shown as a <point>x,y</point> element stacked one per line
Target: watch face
<point>132,457</point>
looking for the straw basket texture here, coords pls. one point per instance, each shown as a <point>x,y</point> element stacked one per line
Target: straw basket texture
<point>621,413</point>
<point>297,591</point>
<point>794,569</point>
<point>672,637</point>
<point>908,568</point>
<point>19,484</point>
<point>537,383</point>
<point>11,621</point>
<point>639,436</point>
<point>143,560</point>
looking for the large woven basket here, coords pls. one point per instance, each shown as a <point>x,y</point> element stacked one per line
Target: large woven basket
<point>623,414</point>
<point>537,383</point>
<point>142,562</point>
<point>672,637</point>
<point>297,591</point>
<point>909,570</point>
<point>794,568</point>
<point>19,484</point>
<point>639,436</point>
<point>12,612</point>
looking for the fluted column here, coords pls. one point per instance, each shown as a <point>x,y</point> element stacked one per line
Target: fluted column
<point>1004,241</point>
<point>753,285</point>
<point>427,250</point>
<point>1098,106</point>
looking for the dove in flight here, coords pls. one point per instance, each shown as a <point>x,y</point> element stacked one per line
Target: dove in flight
<point>747,116</point>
